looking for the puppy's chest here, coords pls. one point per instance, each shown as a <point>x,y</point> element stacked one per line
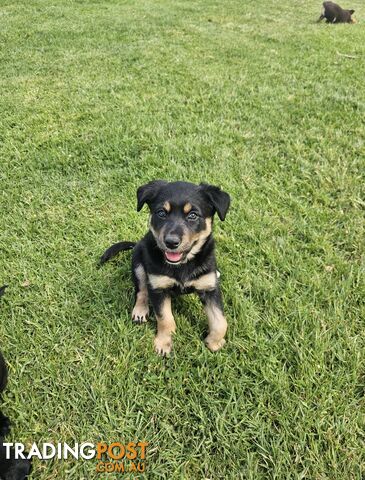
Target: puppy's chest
<point>204,282</point>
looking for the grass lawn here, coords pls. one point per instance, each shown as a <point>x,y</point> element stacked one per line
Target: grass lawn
<point>99,97</point>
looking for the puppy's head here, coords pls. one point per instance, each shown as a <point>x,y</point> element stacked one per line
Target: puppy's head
<point>351,20</point>
<point>181,215</point>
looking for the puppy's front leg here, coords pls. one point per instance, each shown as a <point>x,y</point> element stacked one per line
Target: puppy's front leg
<point>140,310</point>
<point>212,301</point>
<point>166,325</point>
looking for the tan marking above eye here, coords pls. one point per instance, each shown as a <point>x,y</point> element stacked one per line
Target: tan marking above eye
<point>187,207</point>
<point>167,206</point>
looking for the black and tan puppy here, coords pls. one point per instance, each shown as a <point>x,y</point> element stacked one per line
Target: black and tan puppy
<point>177,256</point>
<point>333,13</point>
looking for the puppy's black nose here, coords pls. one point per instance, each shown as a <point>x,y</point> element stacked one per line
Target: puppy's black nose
<point>172,241</point>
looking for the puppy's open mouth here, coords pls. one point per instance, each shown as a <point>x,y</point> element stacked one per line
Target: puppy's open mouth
<point>173,257</point>
<point>178,257</point>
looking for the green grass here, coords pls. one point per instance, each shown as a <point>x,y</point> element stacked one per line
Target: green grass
<point>98,97</point>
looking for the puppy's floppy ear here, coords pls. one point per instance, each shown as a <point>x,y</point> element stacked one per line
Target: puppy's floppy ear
<point>146,193</point>
<point>351,12</point>
<point>220,200</point>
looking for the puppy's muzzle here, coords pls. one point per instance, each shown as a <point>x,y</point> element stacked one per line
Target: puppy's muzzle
<point>172,241</point>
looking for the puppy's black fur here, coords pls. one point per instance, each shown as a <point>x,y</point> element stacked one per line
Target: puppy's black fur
<point>333,13</point>
<point>177,256</point>
<point>10,469</point>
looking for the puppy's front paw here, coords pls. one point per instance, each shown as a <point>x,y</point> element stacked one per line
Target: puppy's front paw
<point>139,314</point>
<point>214,345</point>
<point>163,344</point>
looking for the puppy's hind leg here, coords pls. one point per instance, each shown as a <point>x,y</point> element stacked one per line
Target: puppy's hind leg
<point>140,310</point>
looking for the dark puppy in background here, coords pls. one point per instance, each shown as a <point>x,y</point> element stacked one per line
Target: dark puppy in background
<point>333,13</point>
<point>10,468</point>
<point>177,256</point>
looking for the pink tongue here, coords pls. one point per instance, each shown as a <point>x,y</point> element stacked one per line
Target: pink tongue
<point>173,256</point>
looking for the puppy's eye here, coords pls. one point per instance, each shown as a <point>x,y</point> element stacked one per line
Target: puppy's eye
<point>161,213</point>
<point>192,216</point>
